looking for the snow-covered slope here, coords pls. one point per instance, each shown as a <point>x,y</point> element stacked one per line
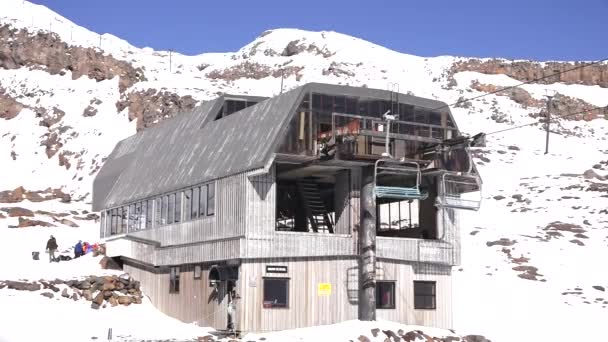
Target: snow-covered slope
<point>61,114</point>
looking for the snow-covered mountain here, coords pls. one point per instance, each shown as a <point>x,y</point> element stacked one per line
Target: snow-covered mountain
<point>534,257</point>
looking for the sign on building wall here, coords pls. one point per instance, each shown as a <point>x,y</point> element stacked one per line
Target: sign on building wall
<point>324,289</point>
<point>276,269</point>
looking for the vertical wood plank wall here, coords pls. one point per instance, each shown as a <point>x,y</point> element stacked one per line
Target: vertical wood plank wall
<point>307,308</point>
<point>195,302</point>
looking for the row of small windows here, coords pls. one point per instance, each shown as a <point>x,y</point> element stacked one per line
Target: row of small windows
<point>186,205</point>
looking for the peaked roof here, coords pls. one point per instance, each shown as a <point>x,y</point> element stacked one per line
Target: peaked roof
<point>192,148</point>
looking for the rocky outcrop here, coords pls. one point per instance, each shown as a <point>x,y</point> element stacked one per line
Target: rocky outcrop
<point>114,290</point>
<point>338,69</point>
<point>9,107</point>
<point>565,106</point>
<point>18,211</point>
<point>296,47</point>
<point>51,118</point>
<point>526,71</point>
<point>254,71</point>
<point>151,106</point>
<point>518,95</point>
<point>19,194</point>
<point>47,51</point>
<point>24,223</point>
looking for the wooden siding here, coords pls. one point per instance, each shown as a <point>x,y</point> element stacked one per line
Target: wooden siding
<point>404,274</point>
<point>195,302</point>
<point>306,308</point>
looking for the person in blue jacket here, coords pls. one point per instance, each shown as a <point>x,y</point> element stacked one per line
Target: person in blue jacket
<point>78,249</point>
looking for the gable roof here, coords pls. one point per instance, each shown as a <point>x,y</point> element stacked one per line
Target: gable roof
<point>193,148</point>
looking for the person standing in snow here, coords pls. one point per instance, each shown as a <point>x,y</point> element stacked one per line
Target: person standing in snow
<point>78,249</point>
<point>51,247</point>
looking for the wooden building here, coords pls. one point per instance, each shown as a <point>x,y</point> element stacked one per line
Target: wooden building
<point>322,204</point>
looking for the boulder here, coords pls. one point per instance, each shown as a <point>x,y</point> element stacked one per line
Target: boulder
<point>22,286</point>
<point>113,301</point>
<point>18,211</point>
<point>123,291</point>
<point>108,286</point>
<point>108,263</point>
<point>124,300</point>
<point>137,300</point>
<point>87,294</point>
<point>99,298</point>
<point>47,295</point>
<point>53,288</point>
<point>106,294</point>
<point>75,296</point>
<point>94,306</point>
<point>84,285</point>
<point>65,294</point>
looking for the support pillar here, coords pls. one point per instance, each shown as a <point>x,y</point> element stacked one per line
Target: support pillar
<point>367,247</point>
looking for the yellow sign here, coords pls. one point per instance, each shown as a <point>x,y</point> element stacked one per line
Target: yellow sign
<point>324,289</point>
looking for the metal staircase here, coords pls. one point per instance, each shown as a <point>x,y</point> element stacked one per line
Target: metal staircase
<point>316,212</point>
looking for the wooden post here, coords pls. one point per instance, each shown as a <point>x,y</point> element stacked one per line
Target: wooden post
<point>367,247</point>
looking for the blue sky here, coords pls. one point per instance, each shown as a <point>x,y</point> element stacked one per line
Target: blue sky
<point>532,29</point>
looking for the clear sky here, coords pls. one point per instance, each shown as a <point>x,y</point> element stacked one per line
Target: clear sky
<point>531,29</point>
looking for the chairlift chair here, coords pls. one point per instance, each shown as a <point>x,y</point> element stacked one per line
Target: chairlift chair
<point>454,185</point>
<point>384,167</point>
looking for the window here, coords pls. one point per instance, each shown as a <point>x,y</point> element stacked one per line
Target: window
<point>424,295</point>
<point>174,280</point>
<point>171,211</point>
<point>144,214</point>
<point>187,204</point>
<point>276,293</point>
<point>385,295</point>
<point>210,199</point>
<point>164,210</point>
<point>114,223</point>
<point>195,199</point>
<point>132,223</point>
<point>149,214</point>
<point>202,204</point>
<point>197,272</point>
<point>178,207</point>
<point>157,210</point>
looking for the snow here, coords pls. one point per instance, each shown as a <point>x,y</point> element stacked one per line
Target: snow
<point>489,297</point>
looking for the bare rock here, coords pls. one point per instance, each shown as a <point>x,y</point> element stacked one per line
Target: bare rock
<point>89,111</point>
<point>475,338</point>
<point>75,296</point>
<point>18,211</point>
<point>94,306</point>
<point>87,294</point>
<point>591,174</point>
<point>501,242</point>
<point>124,300</point>
<point>23,222</point>
<point>22,286</point>
<point>363,338</point>
<point>599,288</point>
<point>65,294</point>
<point>47,295</point>
<point>113,301</point>
<point>9,107</point>
<point>99,298</point>
<point>577,242</point>
<point>108,263</point>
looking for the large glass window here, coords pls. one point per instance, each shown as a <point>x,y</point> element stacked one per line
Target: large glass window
<point>203,201</point>
<point>385,294</point>
<point>210,199</point>
<point>138,218</point>
<point>195,201</point>
<point>276,293</point>
<point>114,227</point>
<point>174,280</point>
<point>157,212</point>
<point>164,210</point>
<point>171,209</point>
<point>178,207</point>
<point>424,295</point>
<point>149,214</point>
<point>187,204</point>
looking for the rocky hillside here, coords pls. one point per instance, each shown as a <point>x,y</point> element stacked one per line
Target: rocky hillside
<point>67,95</point>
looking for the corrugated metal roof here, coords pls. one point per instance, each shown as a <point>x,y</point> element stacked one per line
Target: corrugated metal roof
<point>193,148</point>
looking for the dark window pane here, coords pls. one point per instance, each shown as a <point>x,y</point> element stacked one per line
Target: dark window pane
<point>178,207</point>
<point>187,205</point>
<point>113,228</point>
<point>327,104</point>
<point>203,201</point>
<point>351,105</point>
<point>124,220</point>
<point>316,101</point>
<point>424,295</point>
<point>164,210</point>
<point>139,220</point>
<point>174,280</point>
<point>276,293</point>
<point>157,210</point>
<point>195,199</point>
<point>339,104</point>
<point>211,199</point>
<point>385,295</point>
<point>171,209</point>
<point>149,214</point>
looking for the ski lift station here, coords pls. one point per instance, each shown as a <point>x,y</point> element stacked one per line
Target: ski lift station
<point>322,204</point>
